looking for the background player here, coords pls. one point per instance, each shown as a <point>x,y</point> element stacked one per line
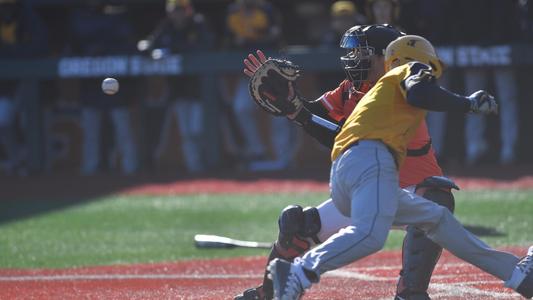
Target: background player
<point>364,178</point>
<point>300,228</point>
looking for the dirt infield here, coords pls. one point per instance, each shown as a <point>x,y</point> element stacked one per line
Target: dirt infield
<point>370,278</point>
<point>210,186</point>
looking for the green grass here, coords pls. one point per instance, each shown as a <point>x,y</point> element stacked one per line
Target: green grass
<point>141,229</point>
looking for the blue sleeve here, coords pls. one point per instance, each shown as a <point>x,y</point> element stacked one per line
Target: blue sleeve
<point>423,92</point>
<point>430,96</point>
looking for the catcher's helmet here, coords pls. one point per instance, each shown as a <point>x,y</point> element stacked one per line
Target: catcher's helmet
<point>361,42</point>
<point>412,48</point>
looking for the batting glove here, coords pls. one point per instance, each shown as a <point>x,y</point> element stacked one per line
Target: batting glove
<point>483,102</point>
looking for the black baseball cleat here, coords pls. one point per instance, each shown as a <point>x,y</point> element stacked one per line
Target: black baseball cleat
<point>288,278</point>
<point>412,296</point>
<point>252,294</point>
<point>522,278</point>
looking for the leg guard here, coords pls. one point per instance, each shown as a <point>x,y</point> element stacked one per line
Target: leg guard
<point>251,294</point>
<point>297,228</point>
<point>438,189</point>
<point>297,223</point>
<point>420,254</point>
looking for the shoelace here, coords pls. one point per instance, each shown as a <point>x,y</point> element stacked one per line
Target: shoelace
<point>293,287</point>
<point>526,264</point>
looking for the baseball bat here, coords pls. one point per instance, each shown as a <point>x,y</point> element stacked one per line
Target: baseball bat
<point>215,241</point>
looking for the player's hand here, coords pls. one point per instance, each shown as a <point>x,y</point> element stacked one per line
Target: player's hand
<point>483,102</point>
<point>252,63</point>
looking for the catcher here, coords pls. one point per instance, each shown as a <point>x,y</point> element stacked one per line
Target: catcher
<point>272,86</point>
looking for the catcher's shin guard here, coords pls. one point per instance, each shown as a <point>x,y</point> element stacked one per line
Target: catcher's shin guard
<point>297,227</point>
<point>252,294</point>
<point>420,254</point>
<point>419,257</point>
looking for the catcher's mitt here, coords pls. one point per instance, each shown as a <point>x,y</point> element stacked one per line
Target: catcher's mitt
<point>272,87</point>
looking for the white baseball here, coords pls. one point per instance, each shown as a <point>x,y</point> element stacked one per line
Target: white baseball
<point>110,86</point>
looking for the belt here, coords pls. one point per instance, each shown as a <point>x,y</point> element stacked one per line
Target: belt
<point>350,145</point>
<point>355,143</point>
<point>420,151</point>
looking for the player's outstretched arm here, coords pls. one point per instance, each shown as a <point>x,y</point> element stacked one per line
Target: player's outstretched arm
<point>433,97</point>
<point>273,90</point>
<point>422,91</point>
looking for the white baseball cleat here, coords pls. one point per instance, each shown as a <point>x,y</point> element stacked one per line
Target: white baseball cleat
<point>289,280</point>
<point>522,278</point>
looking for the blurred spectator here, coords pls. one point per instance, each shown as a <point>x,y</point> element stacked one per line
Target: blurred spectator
<point>252,25</point>
<point>14,155</point>
<point>155,120</point>
<point>22,35</point>
<point>182,31</point>
<point>429,19</point>
<point>526,19</point>
<point>98,30</point>
<point>487,23</point>
<point>344,15</point>
<point>383,12</point>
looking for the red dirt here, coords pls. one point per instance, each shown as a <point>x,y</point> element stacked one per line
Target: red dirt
<point>370,278</point>
<point>222,186</point>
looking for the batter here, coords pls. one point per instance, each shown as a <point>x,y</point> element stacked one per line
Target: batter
<point>364,183</point>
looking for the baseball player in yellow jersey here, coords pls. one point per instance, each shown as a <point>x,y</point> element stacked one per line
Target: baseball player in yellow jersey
<point>364,177</point>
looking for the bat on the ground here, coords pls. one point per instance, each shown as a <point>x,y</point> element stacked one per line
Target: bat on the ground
<point>215,241</point>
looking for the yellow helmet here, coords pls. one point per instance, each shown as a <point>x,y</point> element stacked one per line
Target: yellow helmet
<point>412,48</point>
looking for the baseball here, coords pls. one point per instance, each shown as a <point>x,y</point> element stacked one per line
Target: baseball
<point>110,86</point>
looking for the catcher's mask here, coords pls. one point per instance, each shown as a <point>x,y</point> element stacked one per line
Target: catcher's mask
<point>361,42</point>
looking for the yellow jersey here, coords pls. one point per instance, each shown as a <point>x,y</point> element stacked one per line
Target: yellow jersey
<point>384,114</point>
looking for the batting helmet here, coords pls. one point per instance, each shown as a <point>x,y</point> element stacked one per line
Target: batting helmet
<point>361,42</point>
<point>412,48</point>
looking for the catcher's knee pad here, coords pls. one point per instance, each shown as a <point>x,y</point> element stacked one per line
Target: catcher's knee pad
<point>296,226</point>
<point>438,189</point>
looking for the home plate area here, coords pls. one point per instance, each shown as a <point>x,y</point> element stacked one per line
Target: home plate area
<point>371,278</point>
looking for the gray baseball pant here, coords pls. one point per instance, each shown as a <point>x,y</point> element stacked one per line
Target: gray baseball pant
<point>364,187</point>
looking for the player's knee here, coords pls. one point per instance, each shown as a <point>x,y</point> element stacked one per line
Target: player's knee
<point>442,198</point>
<point>375,242</point>
<point>438,189</point>
<point>294,220</point>
<point>374,239</point>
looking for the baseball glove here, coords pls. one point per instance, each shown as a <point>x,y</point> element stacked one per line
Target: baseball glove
<point>272,87</point>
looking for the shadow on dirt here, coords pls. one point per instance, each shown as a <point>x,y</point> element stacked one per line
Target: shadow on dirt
<point>23,197</point>
<point>484,230</point>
